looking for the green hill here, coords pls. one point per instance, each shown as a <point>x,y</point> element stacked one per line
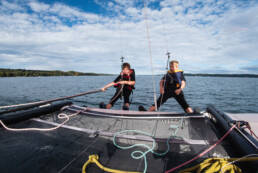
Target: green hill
<point>29,73</point>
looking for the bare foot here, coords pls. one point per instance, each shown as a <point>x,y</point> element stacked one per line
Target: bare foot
<point>152,108</point>
<point>108,106</point>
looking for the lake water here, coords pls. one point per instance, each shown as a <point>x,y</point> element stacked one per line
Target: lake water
<point>235,95</point>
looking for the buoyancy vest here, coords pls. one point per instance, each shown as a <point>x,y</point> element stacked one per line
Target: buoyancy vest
<point>125,77</point>
<point>175,77</point>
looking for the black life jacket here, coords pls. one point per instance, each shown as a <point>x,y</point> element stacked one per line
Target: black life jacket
<point>173,80</point>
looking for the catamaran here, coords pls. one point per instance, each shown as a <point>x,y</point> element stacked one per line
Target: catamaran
<point>59,136</point>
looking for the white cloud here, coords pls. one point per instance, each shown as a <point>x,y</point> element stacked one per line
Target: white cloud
<point>132,11</point>
<point>5,5</point>
<point>126,3</point>
<point>65,38</point>
<point>39,7</point>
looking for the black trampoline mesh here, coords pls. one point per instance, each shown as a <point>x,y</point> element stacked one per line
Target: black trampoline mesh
<point>67,148</point>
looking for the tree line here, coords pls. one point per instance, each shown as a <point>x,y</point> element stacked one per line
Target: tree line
<point>31,73</point>
<point>223,75</point>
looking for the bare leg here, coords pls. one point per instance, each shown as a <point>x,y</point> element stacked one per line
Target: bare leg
<point>189,110</point>
<point>108,106</point>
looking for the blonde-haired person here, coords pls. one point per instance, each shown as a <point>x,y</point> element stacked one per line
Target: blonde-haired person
<point>172,85</point>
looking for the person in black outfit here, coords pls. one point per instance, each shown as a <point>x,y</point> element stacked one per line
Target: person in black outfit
<point>172,85</point>
<point>125,84</point>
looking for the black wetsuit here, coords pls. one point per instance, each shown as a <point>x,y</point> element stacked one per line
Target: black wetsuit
<point>125,90</point>
<point>172,82</point>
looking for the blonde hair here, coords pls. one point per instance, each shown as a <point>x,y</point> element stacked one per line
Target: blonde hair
<point>173,61</point>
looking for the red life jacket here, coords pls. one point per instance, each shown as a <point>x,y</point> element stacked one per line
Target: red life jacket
<point>126,77</point>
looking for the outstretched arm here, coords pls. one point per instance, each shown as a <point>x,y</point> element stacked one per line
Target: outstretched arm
<point>107,86</point>
<point>126,82</point>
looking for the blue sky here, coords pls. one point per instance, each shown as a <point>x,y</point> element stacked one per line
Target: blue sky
<point>212,36</point>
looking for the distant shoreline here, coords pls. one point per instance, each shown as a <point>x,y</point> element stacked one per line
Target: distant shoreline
<point>37,73</point>
<point>223,75</point>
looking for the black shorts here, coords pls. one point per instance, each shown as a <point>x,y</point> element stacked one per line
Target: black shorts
<point>125,93</point>
<point>179,98</point>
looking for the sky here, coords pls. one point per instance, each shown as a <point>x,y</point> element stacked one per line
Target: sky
<point>211,36</point>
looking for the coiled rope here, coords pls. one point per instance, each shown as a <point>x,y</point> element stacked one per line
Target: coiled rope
<point>137,154</point>
<point>212,165</point>
<point>242,159</point>
<point>94,159</point>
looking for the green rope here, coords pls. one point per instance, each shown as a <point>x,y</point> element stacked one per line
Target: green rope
<point>140,154</point>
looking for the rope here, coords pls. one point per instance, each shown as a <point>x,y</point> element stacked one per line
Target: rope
<point>204,152</point>
<point>60,116</point>
<point>150,53</point>
<point>251,131</point>
<point>164,83</point>
<point>253,134</point>
<point>77,156</point>
<point>120,39</point>
<point>118,93</point>
<point>248,139</point>
<point>94,159</point>
<point>52,100</point>
<point>164,31</point>
<point>212,165</point>
<point>139,154</point>
<point>242,159</point>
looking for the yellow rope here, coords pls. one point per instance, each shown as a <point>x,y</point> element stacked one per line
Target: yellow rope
<point>210,165</point>
<point>213,165</point>
<point>94,159</point>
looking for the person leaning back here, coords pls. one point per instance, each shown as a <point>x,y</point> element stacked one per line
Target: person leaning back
<point>125,84</point>
<point>172,85</point>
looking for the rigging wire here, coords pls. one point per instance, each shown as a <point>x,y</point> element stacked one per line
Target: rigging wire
<point>150,53</point>
<point>121,43</point>
<point>167,52</point>
<point>165,77</point>
<point>165,32</point>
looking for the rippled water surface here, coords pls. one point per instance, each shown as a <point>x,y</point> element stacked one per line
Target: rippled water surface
<point>228,94</point>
